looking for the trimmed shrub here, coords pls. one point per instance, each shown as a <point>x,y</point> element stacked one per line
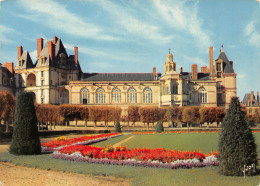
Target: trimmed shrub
<point>159,127</point>
<point>236,143</point>
<point>118,127</point>
<point>25,139</point>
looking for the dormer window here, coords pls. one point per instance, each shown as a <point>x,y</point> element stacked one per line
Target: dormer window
<point>218,66</point>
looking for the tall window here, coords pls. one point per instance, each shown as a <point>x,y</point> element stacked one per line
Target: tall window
<point>175,89</point>
<point>64,96</point>
<point>131,95</point>
<point>148,95</point>
<point>203,96</point>
<point>100,96</point>
<point>84,96</point>
<point>116,95</point>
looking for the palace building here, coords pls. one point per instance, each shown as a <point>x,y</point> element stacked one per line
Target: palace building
<point>57,78</point>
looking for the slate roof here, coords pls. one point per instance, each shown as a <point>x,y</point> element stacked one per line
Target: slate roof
<point>201,76</point>
<point>6,72</point>
<point>227,65</point>
<point>59,49</point>
<point>117,77</point>
<point>27,61</point>
<point>247,97</point>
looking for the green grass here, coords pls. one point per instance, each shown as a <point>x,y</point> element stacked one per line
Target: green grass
<point>111,141</point>
<point>137,175</point>
<point>203,142</point>
<point>147,176</point>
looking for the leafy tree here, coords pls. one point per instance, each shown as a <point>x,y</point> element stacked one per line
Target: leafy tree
<point>7,107</point>
<point>177,114</point>
<point>95,114</point>
<point>116,114</point>
<point>236,142</point>
<point>133,114</point>
<point>159,127</point>
<point>25,139</point>
<point>190,115</point>
<point>207,114</point>
<point>220,114</point>
<point>84,114</point>
<point>118,127</point>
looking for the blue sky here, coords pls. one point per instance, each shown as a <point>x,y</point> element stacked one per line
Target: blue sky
<point>134,35</point>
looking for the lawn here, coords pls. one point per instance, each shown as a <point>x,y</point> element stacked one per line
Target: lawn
<point>147,176</point>
<point>203,142</point>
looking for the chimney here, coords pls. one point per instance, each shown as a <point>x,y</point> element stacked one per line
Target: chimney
<point>257,98</point>
<point>55,40</point>
<point>154,73</point>
<point>20,51</point>
<point>76,55</point>
<point>210,59</point>
<point>194,72</point>
<point>9,66</point>
<point>252,96</point>
<point>204,69</point>
<point>181,70</point>
<point>39,46</point>
<point>51,51</point>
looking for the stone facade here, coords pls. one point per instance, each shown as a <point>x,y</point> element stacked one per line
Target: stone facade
<point>56,78</point>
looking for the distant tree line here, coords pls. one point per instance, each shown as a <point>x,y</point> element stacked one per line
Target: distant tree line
<point>52,115</point>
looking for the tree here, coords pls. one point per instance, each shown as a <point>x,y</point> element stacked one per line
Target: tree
<point>7,107</point>
<point>177,114</point>
<point>84,114</point>
<point>118,127</point>
<point>220,114</point>
<point>159,127</point>
<point>133,114</point>
<point>207,114</point>
<point>236,142</point>
<point>25,139</point>
<point>190,115</point>
<point>95,114</point>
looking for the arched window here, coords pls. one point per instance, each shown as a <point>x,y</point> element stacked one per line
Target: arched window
<point>131,95</point>
<point>100,96</point>
<point>31,80</point>
<point>64,96</point>
<point>116,95</point>
<point>203,96</point>
<point>148,95</point>
<point>84,96</point>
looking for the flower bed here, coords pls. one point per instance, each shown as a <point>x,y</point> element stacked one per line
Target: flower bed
<point>62,142</point>
<point>137,157</point>
<point>174,132</point>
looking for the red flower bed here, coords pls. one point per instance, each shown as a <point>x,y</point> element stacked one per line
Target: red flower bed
<point>56,144</point>
<point>121,153</point>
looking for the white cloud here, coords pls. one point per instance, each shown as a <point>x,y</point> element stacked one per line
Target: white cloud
<point>253,34</point>
<point>130,24</point>
<point>3,31</point>
<point>104,54</point>
<point>33,55</point>
<point>55,15</point>
<point>241,76</point>
<point>183,16</point>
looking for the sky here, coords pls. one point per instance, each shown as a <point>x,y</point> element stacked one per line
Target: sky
<point>135,35</point>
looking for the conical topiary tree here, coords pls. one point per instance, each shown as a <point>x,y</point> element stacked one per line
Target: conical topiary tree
<point>236,143</point>
<point>25,139</point>
<point>118,127</point>
<point>159,127</point>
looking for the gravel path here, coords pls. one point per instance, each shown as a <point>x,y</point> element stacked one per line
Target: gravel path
<point>11,174</point>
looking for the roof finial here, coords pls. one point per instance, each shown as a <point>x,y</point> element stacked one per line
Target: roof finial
<point>222,48</point>
<point>169,50</point>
